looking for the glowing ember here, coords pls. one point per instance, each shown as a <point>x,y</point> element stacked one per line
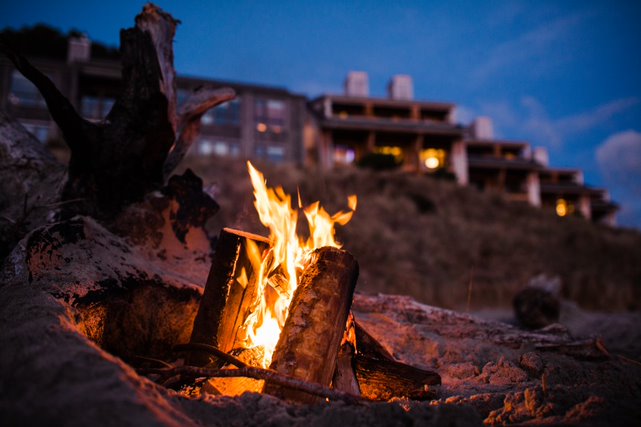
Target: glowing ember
<point>277,270</point>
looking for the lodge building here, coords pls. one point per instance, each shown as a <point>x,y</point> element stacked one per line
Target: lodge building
<point>331,131</point>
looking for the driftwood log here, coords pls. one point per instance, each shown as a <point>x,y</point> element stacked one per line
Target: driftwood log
<point>117,161</point>
<point>312,334</point>
<point>225,302</point>
<point>381,379</point>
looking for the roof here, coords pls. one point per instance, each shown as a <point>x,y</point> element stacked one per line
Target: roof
<point>492,142</point>
<point>387,102</point>
<point>275,90</point>
<point>384,124</point>
<point>501,163</point>
<point>566,188</point>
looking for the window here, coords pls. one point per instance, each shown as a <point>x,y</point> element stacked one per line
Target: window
<point>275,153</point>
<point>40,131</point>
<point>271,113</point>
<point>433,159</point>
<point>395,151</point>
<point>344,155</point>
<point>23,93</point>
<point>208,147</point>
<point>227,114</point>
<point>95,108</point>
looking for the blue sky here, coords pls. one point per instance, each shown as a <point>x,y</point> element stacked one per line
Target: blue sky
<point>565,75</point>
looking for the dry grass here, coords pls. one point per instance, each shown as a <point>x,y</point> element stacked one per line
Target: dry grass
<point>446,245</point>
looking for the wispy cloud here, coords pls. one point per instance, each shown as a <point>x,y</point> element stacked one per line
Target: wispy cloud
<point>530,118</point>
<point>532,47</point>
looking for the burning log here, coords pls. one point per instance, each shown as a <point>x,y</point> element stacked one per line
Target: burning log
<point>309,342</point>
<point>223,307</point>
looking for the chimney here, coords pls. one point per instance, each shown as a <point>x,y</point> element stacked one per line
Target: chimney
<point>357,84</point>
<point>482,128</point>
<point>401,87</point>
<point>78,49</point>
<point>541,156</point>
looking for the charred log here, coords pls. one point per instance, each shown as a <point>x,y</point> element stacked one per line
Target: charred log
<point>310,340</point>
<point>226,299</point>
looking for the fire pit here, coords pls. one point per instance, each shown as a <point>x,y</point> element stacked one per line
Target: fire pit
<point>277,310</point>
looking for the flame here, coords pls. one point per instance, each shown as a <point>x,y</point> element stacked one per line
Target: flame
<point>276,271</point>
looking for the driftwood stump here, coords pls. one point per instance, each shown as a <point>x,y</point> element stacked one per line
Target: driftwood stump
<point>117,161</point>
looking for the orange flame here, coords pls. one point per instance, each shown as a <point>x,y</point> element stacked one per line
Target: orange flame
<point>277,270</point>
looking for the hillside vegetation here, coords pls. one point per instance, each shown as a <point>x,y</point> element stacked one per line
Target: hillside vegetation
<point>445,245</point>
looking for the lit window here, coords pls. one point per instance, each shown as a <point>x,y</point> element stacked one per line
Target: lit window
<point>564,208</point>
<point>433,158</point>
<point>205,147</point>
<point>397,152</point>
<point>344,155</point>
<point>221,148</point>
<point>271,112</point>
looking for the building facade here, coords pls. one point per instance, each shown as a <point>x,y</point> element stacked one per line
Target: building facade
<point>273,124</point>
<point>263,122</point>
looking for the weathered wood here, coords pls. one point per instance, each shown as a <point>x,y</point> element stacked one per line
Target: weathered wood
<point>344,375</point>
<point>312,334</point>
<point>381,379</point>
<point>223,307</point>
<point>368,345</point>
<point>117,161</point>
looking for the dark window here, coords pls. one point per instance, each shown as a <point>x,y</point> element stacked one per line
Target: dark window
<point>95,108</point>
<point>24,93</point>
<point>227,114</point>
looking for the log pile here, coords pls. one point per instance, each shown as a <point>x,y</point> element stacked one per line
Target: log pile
<point>318,348</point>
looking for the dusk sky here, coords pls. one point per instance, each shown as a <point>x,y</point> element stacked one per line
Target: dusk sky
<point>565,75</point>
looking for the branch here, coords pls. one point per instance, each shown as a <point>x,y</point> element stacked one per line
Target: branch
<point>261,374</point>
<point>211,350</point>
<point>62,112</point>
<point>203,99</point>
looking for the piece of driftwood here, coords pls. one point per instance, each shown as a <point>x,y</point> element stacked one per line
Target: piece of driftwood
<point>382,379</point>
<point>228,293</point>
<point>312,334</point>
<point>275,378</point>
<point>117,161</point>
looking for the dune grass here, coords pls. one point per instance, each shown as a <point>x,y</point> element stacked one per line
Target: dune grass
<point>446,245</point>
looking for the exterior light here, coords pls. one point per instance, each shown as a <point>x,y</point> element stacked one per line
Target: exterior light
<point>261,127</point>
<point>432,163</point>
<point>433,158</point>
<point>562,207</point>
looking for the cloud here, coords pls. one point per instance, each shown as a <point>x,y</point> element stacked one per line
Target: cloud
<point>464,115</point>
<point>590,119</point>
<point>533,46</point>
<point>619,160</point>
<point>531,119</point>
